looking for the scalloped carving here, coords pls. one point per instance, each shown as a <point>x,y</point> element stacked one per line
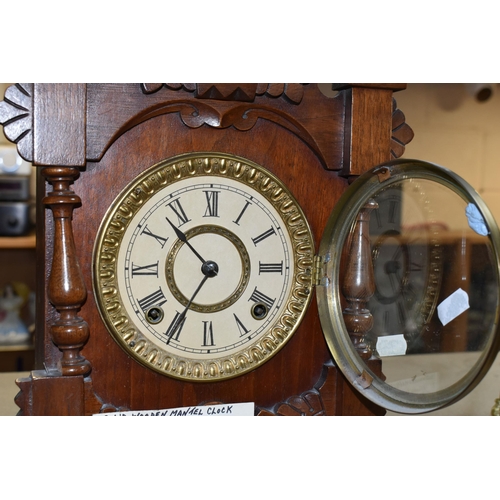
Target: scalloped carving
<point>245,92</point>
<point>17,118</point>
<point>151,88</point>
<point>292,91</point>
<point>308,404</point>
<point>402,134</point>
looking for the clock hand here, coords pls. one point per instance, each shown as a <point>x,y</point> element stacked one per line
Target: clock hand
<point>183,238</point>
<point>395,285</point>
<point>397,253</point>
<point>181,316</point>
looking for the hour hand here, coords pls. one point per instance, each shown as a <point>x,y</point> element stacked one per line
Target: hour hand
<point>183,238</point>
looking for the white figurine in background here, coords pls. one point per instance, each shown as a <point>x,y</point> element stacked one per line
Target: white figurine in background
<point>12,329</point>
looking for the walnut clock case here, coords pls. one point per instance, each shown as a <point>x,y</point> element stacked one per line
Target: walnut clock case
<point>177,255</point>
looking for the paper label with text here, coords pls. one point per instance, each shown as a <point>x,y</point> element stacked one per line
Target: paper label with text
<point>224,410</point>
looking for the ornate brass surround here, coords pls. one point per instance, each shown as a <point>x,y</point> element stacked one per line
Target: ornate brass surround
<point>109,240</point>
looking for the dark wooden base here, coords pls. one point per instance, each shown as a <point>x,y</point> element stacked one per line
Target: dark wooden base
<point>74,396</point>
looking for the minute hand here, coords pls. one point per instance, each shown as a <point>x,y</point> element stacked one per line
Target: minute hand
<point>183,313</point>
<point>183,238</point>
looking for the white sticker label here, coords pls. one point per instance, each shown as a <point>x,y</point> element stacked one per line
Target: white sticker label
<point>453,306</point>
<point>391,345</point>
<point>232,410</point>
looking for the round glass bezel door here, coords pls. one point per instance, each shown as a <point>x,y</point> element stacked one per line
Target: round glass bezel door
<point>430,189</point>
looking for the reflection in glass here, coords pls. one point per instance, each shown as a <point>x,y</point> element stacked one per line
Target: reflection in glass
<point>436,289</point>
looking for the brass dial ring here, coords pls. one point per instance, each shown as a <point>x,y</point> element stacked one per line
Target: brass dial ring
<point>244,277</point>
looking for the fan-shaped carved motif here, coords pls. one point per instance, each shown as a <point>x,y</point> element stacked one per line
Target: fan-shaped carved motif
<point>402,134</point>
<point>17,118</point>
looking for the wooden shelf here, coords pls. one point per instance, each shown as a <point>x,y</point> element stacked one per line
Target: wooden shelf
<point>28,241</point>
<point>16,358</point>
<point>16,347</point>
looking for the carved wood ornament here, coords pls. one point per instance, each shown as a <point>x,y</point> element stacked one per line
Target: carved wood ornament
<point>76,132</point>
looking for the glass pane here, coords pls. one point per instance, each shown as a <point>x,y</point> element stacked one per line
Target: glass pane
<point>436,286</point>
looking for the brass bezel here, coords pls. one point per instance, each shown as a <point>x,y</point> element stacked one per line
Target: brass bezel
<point>109,239</point>
<point>329,297</point>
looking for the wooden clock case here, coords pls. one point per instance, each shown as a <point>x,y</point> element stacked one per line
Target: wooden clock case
<point>89,140</point>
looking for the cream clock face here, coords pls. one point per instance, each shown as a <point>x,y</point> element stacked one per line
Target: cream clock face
<point>202,267</point>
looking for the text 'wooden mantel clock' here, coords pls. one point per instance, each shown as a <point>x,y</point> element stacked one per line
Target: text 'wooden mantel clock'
<point>183,247</point>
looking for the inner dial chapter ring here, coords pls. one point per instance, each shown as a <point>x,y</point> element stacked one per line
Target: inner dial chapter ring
<point>239,260</point>
<point>203,267</point>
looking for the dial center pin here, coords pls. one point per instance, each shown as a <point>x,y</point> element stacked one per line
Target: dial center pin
<point>210,268</point>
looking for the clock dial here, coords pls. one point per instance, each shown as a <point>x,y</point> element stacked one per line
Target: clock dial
<point>203,267</point>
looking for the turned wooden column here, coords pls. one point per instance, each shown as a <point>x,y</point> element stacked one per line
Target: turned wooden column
<point>359,282</point>
<point>66,289</point>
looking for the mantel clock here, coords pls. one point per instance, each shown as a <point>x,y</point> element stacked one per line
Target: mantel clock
<point>225,243</point>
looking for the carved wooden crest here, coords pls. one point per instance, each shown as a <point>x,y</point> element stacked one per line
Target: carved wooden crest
<point>233,91</point>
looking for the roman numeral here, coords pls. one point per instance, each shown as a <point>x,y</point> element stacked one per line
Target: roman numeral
<point>263,236</point>
<point>393,205</point>
<point>416,267</point>
<point>212,203</point>
<point>175,328</point>
<point>241,327</point>
<point>402,313</point>
<point>176,207</point>
<point>208,333</point>
<point>147,270</point>
<point>154,299</point>
<point>259,297</point>
<point>158,238</point>
<point>387,321</point>
<point>270,268</point>
<point>237,221</point>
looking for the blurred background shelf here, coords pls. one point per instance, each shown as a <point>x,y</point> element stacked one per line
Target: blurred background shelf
<point>16,358</point>
<point>18,264</point>
<point>18,242</point>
